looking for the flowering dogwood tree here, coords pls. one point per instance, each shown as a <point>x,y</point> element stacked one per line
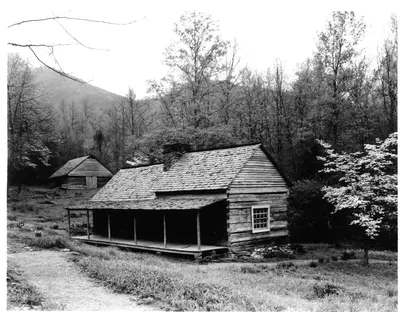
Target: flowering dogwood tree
<point>367,185</point>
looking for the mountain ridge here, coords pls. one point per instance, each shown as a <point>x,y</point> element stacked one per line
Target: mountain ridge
<point>58,88</point>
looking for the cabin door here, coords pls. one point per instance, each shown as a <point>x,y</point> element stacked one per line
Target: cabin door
<point>91,182</point>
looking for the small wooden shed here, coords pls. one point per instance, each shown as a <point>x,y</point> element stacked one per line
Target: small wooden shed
<point>207,202</point>
<point>85,172</point>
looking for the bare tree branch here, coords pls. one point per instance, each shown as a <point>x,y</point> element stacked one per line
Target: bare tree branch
<point>72,18</point>
<point>51,46</point>
<point>62,73</point>
<point>69,34</point>
<point>55,59</point>
<point>38,45</point>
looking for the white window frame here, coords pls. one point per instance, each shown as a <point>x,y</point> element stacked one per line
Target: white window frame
<point>260,230</point>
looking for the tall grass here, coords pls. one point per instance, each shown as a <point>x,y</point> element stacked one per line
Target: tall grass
<point>171,288</point>
<point>19,292</point>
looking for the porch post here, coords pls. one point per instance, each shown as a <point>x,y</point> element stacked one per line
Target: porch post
<point>165,230</point>
<point>134,228</point>
<point>87,220</point>
<point>109,225</point>
<point>69,222</point>
<point>198,230</point>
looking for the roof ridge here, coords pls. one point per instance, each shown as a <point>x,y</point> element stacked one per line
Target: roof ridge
<point>206,171</point>
<point>222,148</point>
<point>140,166</point>
<point>72,168</point>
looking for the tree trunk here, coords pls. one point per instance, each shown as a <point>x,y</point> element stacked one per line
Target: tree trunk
<point>366,249</point>
<point>366,262</point>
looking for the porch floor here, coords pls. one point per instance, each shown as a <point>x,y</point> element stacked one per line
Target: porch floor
<point>156,246</point>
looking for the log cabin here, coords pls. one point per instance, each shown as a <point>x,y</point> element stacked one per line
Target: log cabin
<point>196,203</point>
<point>85,172</point>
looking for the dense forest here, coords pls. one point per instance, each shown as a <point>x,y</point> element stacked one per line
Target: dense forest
<point>338,95</point>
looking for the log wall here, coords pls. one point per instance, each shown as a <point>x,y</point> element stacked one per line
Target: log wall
<point>101,181</point>
<point>74,183</point>
<point>258,183</point>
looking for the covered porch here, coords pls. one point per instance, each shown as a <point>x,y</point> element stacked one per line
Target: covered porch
<point>156,246</point>
<point>189,227</point>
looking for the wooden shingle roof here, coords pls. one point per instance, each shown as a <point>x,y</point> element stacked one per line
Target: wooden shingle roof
<point>131,184</point>
<point>150,204</point>
<point>68,167</point>
<point>205,170</point>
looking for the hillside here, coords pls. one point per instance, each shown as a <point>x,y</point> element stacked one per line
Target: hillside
<point>58,88</point>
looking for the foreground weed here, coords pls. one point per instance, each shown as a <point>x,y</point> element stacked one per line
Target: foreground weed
<point>313,264</point>
<point>392,292</point>
<point>327,289</point>
<point>20,292</point>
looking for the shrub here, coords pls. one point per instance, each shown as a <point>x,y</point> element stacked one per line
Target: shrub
<point>348,255</point>
<point>285,265</point>
<point>54,226</point>
<point>334,258</point>
<point>313,264</point>
<point>46,242</point>
<point>391,292</point>
<point>39,228</point>
<point>73,215</point>
<point>283,251</point>
<point>248,269</point>
<point>38,233</point>
<point>321,260</point>
<point>321,291</point>
<point>308,212</point>
<point>298,248</point>
<point>23,207</point>
<point>12,218</point>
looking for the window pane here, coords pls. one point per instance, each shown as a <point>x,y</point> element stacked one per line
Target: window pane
<point>260,218</point>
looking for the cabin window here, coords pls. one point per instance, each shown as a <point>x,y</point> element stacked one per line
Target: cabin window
<point>260,218</point>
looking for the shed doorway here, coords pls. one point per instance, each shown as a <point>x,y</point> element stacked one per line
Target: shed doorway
<point>91,182</point>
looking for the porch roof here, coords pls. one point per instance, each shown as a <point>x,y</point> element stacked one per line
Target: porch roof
<point>151,204</point>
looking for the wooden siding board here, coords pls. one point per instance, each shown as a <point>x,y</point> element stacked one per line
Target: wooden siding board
<point>258,168</point>
<point>248,236</point>
<point>245,227</point>
<point>246,217</point>
<point>254,190</point>
<point>257,183</point>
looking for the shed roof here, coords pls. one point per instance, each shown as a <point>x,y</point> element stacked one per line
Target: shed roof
<point>150,204</point>
<point>69,166</point>
<point>205,170</point>
<point>131,184</point>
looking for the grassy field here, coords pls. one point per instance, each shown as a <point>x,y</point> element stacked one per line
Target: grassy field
<point>178,284</point>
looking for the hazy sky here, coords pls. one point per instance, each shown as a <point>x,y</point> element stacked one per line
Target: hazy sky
<point>264,32</point>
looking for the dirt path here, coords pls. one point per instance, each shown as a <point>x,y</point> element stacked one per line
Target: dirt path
<point>65,288</point>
